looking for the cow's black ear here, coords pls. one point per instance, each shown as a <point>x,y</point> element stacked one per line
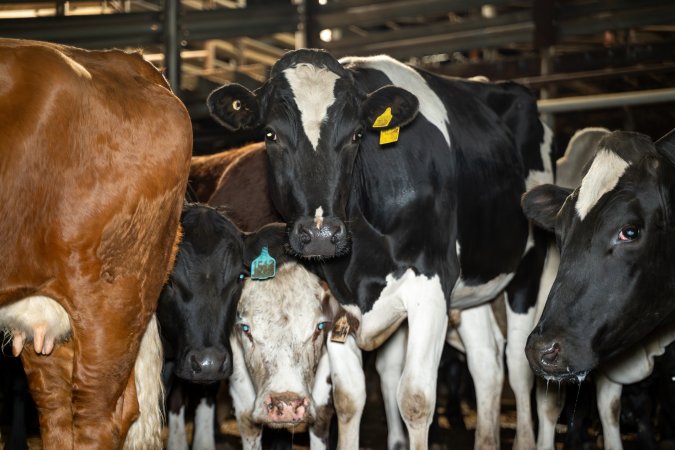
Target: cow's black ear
<point>389,107</point>
<point>542,204</point>
<point>666,146</point>
<point>234,107</point>
<point>272,236</point>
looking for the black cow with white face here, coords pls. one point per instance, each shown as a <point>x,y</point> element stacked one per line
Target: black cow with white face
<point>406,187</point>
<point>611,304</point>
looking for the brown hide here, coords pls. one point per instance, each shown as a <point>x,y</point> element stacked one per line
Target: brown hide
<point>94,161</point>
<point>205,171</point>
<point>242,191</point>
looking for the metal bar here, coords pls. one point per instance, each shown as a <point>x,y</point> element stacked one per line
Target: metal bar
<point>593,74</point>
<point>600,101</point>
<point>172,45</point>
<point>428,31</point>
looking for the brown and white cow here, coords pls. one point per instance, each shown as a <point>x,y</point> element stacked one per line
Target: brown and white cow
<point>93,168</point>
<point>280,364</point>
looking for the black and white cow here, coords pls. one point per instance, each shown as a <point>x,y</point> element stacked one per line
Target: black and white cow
<point>196,313</point>
<point>405,229</point>
<point>611,304</point>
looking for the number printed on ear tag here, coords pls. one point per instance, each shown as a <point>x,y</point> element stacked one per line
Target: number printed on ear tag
<point>264,266</point>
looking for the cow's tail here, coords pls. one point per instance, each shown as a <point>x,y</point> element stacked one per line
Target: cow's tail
<point>145,432</point>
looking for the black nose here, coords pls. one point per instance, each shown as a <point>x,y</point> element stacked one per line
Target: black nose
<point>207,364</point>
<point>323,237</point>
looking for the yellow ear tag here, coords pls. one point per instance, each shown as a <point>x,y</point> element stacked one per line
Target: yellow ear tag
<point>384,119</point>
<point>389,136</point>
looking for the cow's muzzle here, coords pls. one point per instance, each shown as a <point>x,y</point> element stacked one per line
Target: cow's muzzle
<point>551,358</point>
<point>205,365</point>
<point>324,238</point>
<point>285,409</point>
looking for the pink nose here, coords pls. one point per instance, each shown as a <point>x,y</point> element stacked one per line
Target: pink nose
<point>286,407</point>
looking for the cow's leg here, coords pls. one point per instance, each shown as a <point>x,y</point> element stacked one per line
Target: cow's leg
<point>242,392</point>
<point>203,437</point>
<point>609,409</point>
<point>484,346</point>
<point>319,431</point>
<point>527,289</point>
<point>349,389</point>
<point>521,377</point>
<point>427,322</point>
<point>389,363</point>
<point>550,402</point>
<point>177,400</point>
<point>50,383</point>
<point>104,354</point>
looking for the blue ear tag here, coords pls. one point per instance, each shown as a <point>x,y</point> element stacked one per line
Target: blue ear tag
<point>264,266</point>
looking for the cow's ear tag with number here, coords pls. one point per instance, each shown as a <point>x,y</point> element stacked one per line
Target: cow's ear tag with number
<point>383,119</point>
<point>264,266</point>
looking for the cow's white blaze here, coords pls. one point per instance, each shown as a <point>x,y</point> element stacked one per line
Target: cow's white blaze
<point>539,177</point>
<point>318,217</point>
<point>602,177</point>
<point>431,106</point>
<point>313,92</point>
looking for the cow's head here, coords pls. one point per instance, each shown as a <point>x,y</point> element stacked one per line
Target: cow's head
<point>314,116</point>
<point>197,306</point>
<point>615,284</point>
<point>281,329</point>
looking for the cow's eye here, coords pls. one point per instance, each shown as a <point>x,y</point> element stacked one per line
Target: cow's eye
<point>629,233</point>
<point>321,326</point>
<point>270,135</point>
<point>245,328</point>
<point>356,137</point>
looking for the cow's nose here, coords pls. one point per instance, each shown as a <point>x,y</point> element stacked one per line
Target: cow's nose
<point>545,355</point>
<point>286,407</point>
<point>208,364</point>
<point>324,237</point>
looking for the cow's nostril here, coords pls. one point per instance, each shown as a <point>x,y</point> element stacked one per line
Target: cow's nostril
<point>337,232</point>
<point>550,355</point>
<point>196,367</point>
<point>305,236</point>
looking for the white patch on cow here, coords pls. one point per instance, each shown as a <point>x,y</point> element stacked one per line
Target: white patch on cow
<point>349,388</point>
<point>602,177</point>
<point>177,436</point>
<point>285,345</point>
<point>521,378</point>
<point>484,345</point>
<point>608,395</point>
<point>539,177</point>
<point>421,300</point>
<point>242,392</point>
<point>39,319</point>
<point>431,106</point>
<point>318,217</point>
<point>467,296</point>
<point>389,363</point>
<point>549,405</point>
<point>203,437</point>
<point>313,92</point>
<point>146,431</point>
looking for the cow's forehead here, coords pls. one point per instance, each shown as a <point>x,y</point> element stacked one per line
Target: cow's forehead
<point>602,176</point>
<point>313,91</point>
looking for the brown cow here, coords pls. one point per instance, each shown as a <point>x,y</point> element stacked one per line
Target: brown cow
<point>207,170</point>
<point>94,162</point>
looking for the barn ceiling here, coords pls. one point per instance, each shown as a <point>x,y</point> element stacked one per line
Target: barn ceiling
<point>620,52</point>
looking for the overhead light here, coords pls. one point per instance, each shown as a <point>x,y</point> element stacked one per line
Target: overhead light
<point>326,35</point>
